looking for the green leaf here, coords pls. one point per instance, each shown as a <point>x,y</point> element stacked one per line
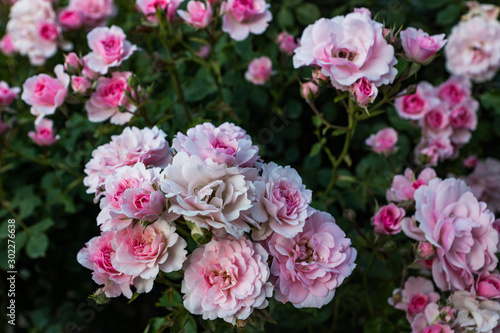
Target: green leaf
<point>42,226</point>
<point>448,15</point>
<point>37,246</point>
<point>291,3</point>
<point>285,18</point>
<point>154,325</point>
<point>170,299</point>
<point>307,13</point>
<point>316,148</point>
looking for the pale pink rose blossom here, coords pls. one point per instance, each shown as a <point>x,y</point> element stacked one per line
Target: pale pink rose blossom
<point>107,99</point>
<point>461,230</point>
<point>344,54</point>
<point>144,252</point>
<point>287,43</point>
<point>87,72</point>
<point>226,144</point>
<point>454,90</point>
<point>470,162</point>
<point>425,251</point>
<point>384,141</point>
<point>415,106</point>
<point>72,63</point>
<point>213,197</point>
<point>44,133</point>
<point>147,145</point>
<point>281,202</point>
<point>70,19</point>
<point>419,46</point>
<point>436,119</point>
<point>197,15</point>
<point>44,93</point>
<point>80,84</point>
<point>259,70</point>
<point>364,92</point>
<point>473,314</point>
<point>7,94</point>
<point>308,268</point>
<point>242,17</point>
<point>309,91</point>
<point>487,285</point>
<point>404,186</point>
<point>96,256</point>
<point>363,10</point>
<point>227,278</point>
<point>464,115</point>
<point>149,7</point>
<point>93,13</point>
<point>387,220</point>
<point>485,183</point>
<point>435,147</point>
<point>6,45</point>
<point>429,321</point>
<point>109,48</point>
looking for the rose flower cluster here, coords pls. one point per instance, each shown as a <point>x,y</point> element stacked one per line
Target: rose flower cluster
<point>256,231</point>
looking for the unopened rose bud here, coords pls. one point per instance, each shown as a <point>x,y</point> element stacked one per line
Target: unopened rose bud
<point>425,250</point>
<point>309,91</point>
<point>319,78</point>
<point>72,63</point>
<point>364,92</point>
<point>470,162</point>
<point>80,84</point>
<point>419,46</point>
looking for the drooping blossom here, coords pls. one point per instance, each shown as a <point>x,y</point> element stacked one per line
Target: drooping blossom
<point>198,14</point>
<point>44,134</point>
<point>384,141</point>
<point>387,220</point>
<point>308,268</point>
<point>149,8</point>
<point>419,46</point>
<point>226,278</point>
<point>7,94</point>
<point>287,43</point>
<point>404,186</point>
<point>485,182</point>
<point>259,70</point>
<point>242,17</point>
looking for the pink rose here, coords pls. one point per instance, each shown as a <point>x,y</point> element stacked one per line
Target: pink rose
<point>80,85</point>
<point>435,147</point>
<point>345,55</point>
<point>470,162</point>
<point>259,70</point>
<point>319,78</point>
<point>70,19</point>
<point>460,228</point>
<point>384,141</point>
<point>282,202</point>
<point>72,63</point>
<point>87,72</point>
<point>485,183</point>
<point>436,119</point>
<point>44,93</point>
<point>464,115</point>
<point>415,106</point>
<point>7,94</point>
<point>364,92</point>
<point>6,45</point>
<point>93,12</point>
<point>197,15</point>
<point>387,220</point>
<point>242,17</point>
<point>309,91</point>
<point>455,90</point>
<point>311,266</point>
<point>418,292</point>
<point>425,250</point>
<point>287,43</point>
<point>404,186</point>
<point>107,99</point>
<point>148,8</point>
<point>419,46</point>
<point>96,255</point>
<point>44,135</point>
<point>429,321</point>
<point>109,48</point>
<point>487,285</point>
<point>226,278</point>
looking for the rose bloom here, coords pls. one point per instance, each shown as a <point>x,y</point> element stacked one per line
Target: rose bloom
<point>387,220</point>
<point>197,15</point>
<point>364,92</point>
<point>470,162</point>
<point>474,315</point>
<point>226,144</point>
<point>6,45</point>
<point>226,278</point>
<point>44,93</point>
<point>7,94</point>
<point>213,197</point>
<point>287,43</point>
<point>454,90</point>
<point>429,321</point>
<point>147,145</point>
<point>311,266</point>
<point>80,84</point>
<point>461,230</point>
<point>309,91</point>
<point>485,183</point>
<point>149,7</point>
<point>72,63</point>
<point>281,202</point>
<point>404,186</point>
<point>144,252</point>
<point>487,285</point>
<point>418,292</point>
<point>259,70</point>
<point>464,115</point>
<point>107,99</point>
<point>93,13</point>
<point>344,54</point>
<point>384,141</point>
<point>96,256</point>
<point>436,119</point>
<point>434,147</point>
<point>242,17</point>
<point>473,49</point>
<point>70,19</point>
<point>44,135</point>
<point>415,106</point>
<point>419,46</point>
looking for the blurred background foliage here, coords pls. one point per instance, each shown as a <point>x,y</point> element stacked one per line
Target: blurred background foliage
<point>43,189</point>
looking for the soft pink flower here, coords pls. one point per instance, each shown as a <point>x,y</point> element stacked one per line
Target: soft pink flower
<point>460,228</point>
<point>435,147</point>
<point>309,91</point>
<point>93,13</point>
<point>404,186</point>
<point>436,119</point>
<point>311,266</point>
<point>197,15</point>
<point>473,49</point>
<point>149,7</point>
<point>6,45</point>
<point>44,93</point>
<point>107,99</point>
<point>425,251</point>
<point>226,278</point>
<point>80,84</point>
<point>364,92</point>
<point>109,48</point>
<point>44,135</point>
<point>419,46</point>
<point>70,19</point>
<point>384,141</point>
<point>242,17</point>
<point>344,54</point>
<point>415,106</point>
<point>487,285</point>
<point>428,321</point>
<point>72,63</point>
<point>96,255</point>
<point>7,94</point>
<point>319,78</point>
<point>485,183</point>
<point>470,162</point>
<point>287,43</point>
<point>227,144</point>
<point>143,252</point>
<point>282,202</point>
<point>259,70</point>
<point>147,145</point>
<point>387,220</point>
<point>464,115</point>
<point>454,90</point>
<point>418,292</point>
<point>87,72</point>
<point>474,314</point>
